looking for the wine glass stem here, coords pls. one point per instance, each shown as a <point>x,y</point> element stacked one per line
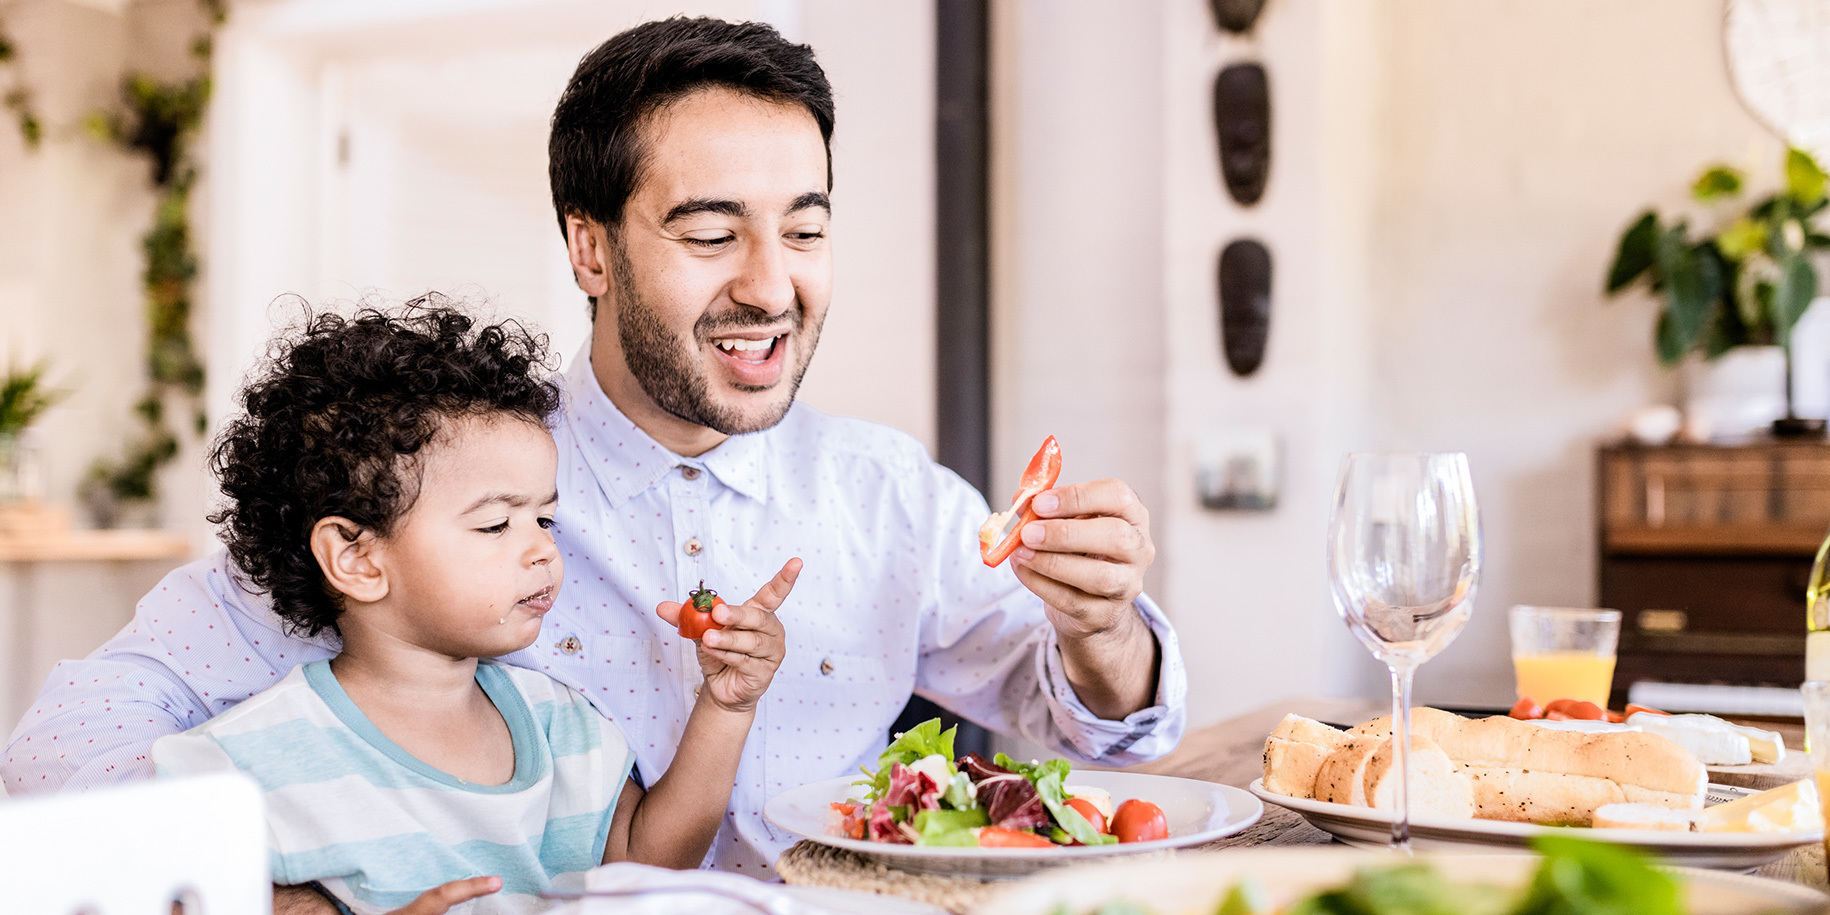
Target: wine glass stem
<point>1401,755</point>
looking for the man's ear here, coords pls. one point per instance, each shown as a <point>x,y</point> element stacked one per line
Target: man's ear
<point>587,246</point>
<point>347,554</point>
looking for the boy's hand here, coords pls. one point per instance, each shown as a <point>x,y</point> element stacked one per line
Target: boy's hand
<point>740,660</point>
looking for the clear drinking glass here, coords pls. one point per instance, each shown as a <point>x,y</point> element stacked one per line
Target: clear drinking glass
<point>1564,652</point>
<point>1404,556</point>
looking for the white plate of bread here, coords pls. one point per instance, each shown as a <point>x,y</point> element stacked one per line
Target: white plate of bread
<point>1498,781</point>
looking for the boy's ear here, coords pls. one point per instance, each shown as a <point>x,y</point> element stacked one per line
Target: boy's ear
<point>588,248</point>
<point>347,554</point>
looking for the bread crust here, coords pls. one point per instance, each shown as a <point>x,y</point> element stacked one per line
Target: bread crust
<point>1493,768</point>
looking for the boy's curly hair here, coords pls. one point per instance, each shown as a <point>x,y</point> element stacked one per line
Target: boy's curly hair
<point>333,422</point>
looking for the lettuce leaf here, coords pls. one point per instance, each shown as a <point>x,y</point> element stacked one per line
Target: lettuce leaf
<point>1597,878</point>
<point>958,793</point>
<point>950,827</point>
<point>924,739</point>
<point>1048,777</point>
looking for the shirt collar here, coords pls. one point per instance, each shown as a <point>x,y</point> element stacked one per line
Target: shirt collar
<point>627,461</point>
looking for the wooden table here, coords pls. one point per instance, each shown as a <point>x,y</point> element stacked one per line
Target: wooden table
<point>1232,753</point>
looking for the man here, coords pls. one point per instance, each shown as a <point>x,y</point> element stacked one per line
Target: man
<point>690,173</point>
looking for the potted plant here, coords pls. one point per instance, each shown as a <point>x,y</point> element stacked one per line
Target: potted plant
<point>23,398</point>
<point>1743,284</point>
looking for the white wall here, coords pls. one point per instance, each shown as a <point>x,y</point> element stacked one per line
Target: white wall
<point>1448,180</point>
<point>384,149</point>
<point>1523,137</point>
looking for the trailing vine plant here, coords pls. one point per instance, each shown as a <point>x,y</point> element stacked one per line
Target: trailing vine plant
<point>160,121</point>
<point>17,98</point>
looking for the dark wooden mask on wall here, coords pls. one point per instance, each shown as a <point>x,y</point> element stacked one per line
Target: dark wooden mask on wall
<point>1242,120</point>
<point>1236,16</point>
<point>1245,304</point>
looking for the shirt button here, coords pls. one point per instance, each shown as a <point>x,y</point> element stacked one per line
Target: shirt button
<point>826,667</point>
<point>691,473</point>
<point>693,547</point>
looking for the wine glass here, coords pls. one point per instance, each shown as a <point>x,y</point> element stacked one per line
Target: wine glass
<point>1404,556</point>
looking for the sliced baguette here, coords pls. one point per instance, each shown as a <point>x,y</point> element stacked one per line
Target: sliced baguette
<point>1294,753</point>
<point>1290,767</point>
<point>1629,758</point>
<point>1438,786</point>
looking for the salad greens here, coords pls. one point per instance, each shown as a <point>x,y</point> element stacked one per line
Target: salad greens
<point>920,794</point>
<point>1575,877</point>
<point>922,740</point>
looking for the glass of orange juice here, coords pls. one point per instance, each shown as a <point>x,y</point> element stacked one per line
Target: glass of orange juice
<point>1564,653</point>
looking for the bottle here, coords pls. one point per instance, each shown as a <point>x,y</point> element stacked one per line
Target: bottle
<point>1817,618</point>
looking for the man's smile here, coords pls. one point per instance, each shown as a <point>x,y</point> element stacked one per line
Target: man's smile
<point>752,360</point>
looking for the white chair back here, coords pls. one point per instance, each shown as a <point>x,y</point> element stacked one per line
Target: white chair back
<point>132,850</point>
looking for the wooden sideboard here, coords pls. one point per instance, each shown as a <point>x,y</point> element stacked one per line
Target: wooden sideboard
<point>1706,551</point>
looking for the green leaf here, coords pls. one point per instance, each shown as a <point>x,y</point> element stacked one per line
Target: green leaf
<point>1797,287</point>
<point>959,794</point>
<point>1636,252</point>
<point>1693,283</point>
<point>924,739</point>
<point>1741,238</point>
<point>1245,898</point>
<point>1804,179</point>
<point>1419,889</point>
<point>1715,182</point>
<point>1583,877</point>
<point>950,827</point>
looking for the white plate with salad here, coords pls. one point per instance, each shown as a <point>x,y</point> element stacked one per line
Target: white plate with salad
<point>925,810</point>
<point>1573,877</point>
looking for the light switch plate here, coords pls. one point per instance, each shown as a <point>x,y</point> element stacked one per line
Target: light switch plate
<point>1239,470</point>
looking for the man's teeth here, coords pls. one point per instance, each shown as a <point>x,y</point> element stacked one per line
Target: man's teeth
<point>739,346</point>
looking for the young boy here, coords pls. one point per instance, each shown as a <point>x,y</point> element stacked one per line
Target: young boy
<point>392,484</point>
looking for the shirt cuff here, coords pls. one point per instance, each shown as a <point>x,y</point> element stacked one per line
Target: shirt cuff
<point>1141,736</point>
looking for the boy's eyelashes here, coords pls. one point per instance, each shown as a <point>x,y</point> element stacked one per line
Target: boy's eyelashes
<point>545,522</point>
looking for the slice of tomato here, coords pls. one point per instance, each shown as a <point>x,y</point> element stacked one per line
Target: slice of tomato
<point>1575,708</point>
<point>1086,809</point>
<point>1043,470</point>
<point>1526,709</point>
<point>1636,709</point>
<point>999,837</point>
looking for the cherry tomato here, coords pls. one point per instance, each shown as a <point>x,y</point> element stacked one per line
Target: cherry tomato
<point>1139,821</point>
<point>1526,709</point>
<point>696,615</point>
<point>999,837</point>
<point>1576,708</point>
<point>1636,709</point>
<point>1086,809</point>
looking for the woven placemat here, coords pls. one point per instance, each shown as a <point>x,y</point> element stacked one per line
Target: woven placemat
<point>813,864</point>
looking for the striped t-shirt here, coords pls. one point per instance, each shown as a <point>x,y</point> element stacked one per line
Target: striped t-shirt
<point>350,809</point>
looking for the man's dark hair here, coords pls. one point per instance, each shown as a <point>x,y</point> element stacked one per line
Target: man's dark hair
<point>333,424</point>
<point>594,155</point>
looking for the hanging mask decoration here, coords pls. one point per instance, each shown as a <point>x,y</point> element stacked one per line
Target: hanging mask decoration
<point>1245,304</point>
<point>1236,16</point>
<point>1242,120</point>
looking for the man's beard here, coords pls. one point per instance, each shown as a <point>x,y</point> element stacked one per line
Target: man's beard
<point>666,368</point>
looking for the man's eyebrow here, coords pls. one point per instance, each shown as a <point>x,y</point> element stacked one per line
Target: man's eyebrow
<point>699,205</point>
<point>811,199</point>
<point>510,499</point>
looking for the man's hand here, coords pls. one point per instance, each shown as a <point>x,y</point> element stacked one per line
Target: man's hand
<point>740,660</point>
<point>1085,556</point>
